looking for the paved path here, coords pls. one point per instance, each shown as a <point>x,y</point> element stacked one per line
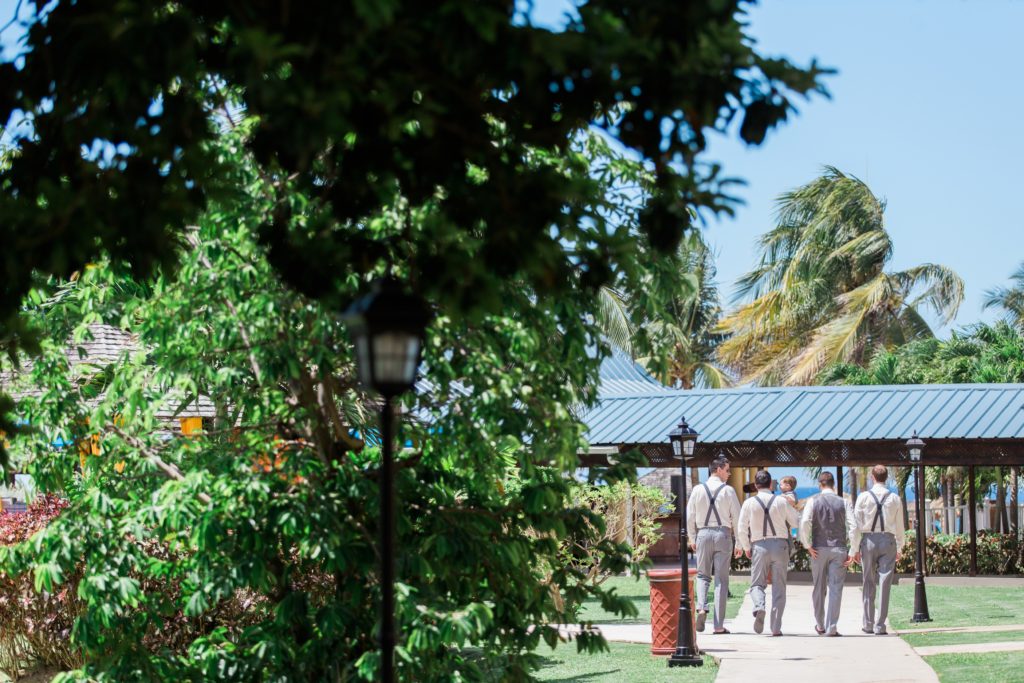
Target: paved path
<point>803,655</point>
<point>970,648</point>
<point>800,655</point>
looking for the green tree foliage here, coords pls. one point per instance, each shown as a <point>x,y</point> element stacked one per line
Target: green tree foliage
<point>821,294</point>
<point>273,507</point>
<point>1010,299</point>
<point>361,107</point>
<point>687,339</point>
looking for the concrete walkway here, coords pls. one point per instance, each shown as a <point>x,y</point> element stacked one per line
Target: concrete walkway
<point>801,654</point>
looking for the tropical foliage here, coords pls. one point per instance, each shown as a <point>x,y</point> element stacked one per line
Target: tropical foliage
<point>689,336</point>
<point>1010,299</point>
<point>274,505</point>
<point>367,107</point>
<point>821,293</point>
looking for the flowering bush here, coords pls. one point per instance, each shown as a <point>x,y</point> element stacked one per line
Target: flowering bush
<point>34,625</point>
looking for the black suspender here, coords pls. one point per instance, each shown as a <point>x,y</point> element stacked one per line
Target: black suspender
<point>878,510</point>
<point>767,517</point>
<point>711,504</point>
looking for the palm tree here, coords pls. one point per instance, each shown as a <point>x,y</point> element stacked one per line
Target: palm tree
<point>821,295</point>
<point>613,319</point>
<point>688,334</point>
<point>1010,299</point>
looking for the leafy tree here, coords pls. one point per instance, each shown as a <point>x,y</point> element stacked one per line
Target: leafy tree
<point>1010,299</point>
<point>362,107</point>
<point>274,505</point>
<point>821,294</point>
<point>688,336</point>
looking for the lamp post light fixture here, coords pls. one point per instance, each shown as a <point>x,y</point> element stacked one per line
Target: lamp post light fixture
<point>683,439</point>
<point>387,327</point>
<point>914,446</point>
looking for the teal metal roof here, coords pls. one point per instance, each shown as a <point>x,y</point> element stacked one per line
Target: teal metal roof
<point>622,376</point>
<point>809,414</point>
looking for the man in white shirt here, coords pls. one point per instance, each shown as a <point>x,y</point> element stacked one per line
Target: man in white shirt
<point>712,513</point>
<point>878,538</point>
<point>826,530</point>
<point>765,520</point>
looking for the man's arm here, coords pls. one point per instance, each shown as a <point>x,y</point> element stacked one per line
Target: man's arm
<point>734,511</point>
<point>691,513</point>
<point>854,514</point>
<point>805,524</point>
<point>743,526</point>
<point>897,525</point>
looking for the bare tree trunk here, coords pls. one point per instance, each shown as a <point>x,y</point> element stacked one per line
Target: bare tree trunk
<point>1002,524</point>
<point>947,503</point>
<point>1014,473</point>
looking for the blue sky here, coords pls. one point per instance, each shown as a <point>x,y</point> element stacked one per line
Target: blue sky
<point>925,108</point>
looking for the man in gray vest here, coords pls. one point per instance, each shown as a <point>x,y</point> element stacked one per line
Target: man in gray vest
<point>878,536</point>
<point>713,512</point>
<point>765,520</point>
<point>826,530</point>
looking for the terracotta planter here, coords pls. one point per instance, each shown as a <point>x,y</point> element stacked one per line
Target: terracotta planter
<point>665,590</point>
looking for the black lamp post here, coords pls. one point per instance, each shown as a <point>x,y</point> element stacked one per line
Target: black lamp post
<point>387,327</point>
<point>683,439</point>
<point>914,445</point>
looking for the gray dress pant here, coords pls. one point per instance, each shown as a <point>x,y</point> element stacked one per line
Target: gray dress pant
<point>714,556</point>
<point>829,575</point>
<point>770,554</point>
<point>878,556</point>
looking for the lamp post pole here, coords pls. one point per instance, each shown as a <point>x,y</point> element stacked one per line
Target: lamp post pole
<point>387,329</point>
<point>914,445</point>
<point>387,545</point>
<point>683,439</point>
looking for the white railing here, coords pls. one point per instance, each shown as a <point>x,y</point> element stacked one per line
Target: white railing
<point>955,520</point>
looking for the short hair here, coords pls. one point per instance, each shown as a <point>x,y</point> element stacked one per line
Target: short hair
<point>827,479</point>
<point>718,463</point>
<point>763,479</point>
<point>880,473</point>
<point>791,480</point>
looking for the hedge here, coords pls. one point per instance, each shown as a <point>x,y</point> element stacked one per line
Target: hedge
<point>944,554</point>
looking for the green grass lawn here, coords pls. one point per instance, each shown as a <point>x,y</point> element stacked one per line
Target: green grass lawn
<point>638,591</point>
<point>624,662</point>
<point>991,667</point>
<point>948,638</point>
<point>957,606</point>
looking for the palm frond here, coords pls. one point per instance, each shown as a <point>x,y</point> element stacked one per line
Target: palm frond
<point>613,316</point>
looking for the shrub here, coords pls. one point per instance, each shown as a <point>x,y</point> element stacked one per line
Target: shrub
<point>951,554</point>
<point>944,554</point>
<point>35,625</point>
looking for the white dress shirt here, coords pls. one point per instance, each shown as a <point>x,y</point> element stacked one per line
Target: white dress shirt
<point>892,514</point>
<point>807,521</point>
<point>781,513</point>
<point>727,504</point>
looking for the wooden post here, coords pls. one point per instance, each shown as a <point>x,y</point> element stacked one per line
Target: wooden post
<point>972,503</point>
<point>839,480</point>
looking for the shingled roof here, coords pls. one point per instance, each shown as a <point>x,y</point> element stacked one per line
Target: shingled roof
<point>106,344</point>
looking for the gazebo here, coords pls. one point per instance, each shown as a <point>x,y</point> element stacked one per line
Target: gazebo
<point>962,424</point>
